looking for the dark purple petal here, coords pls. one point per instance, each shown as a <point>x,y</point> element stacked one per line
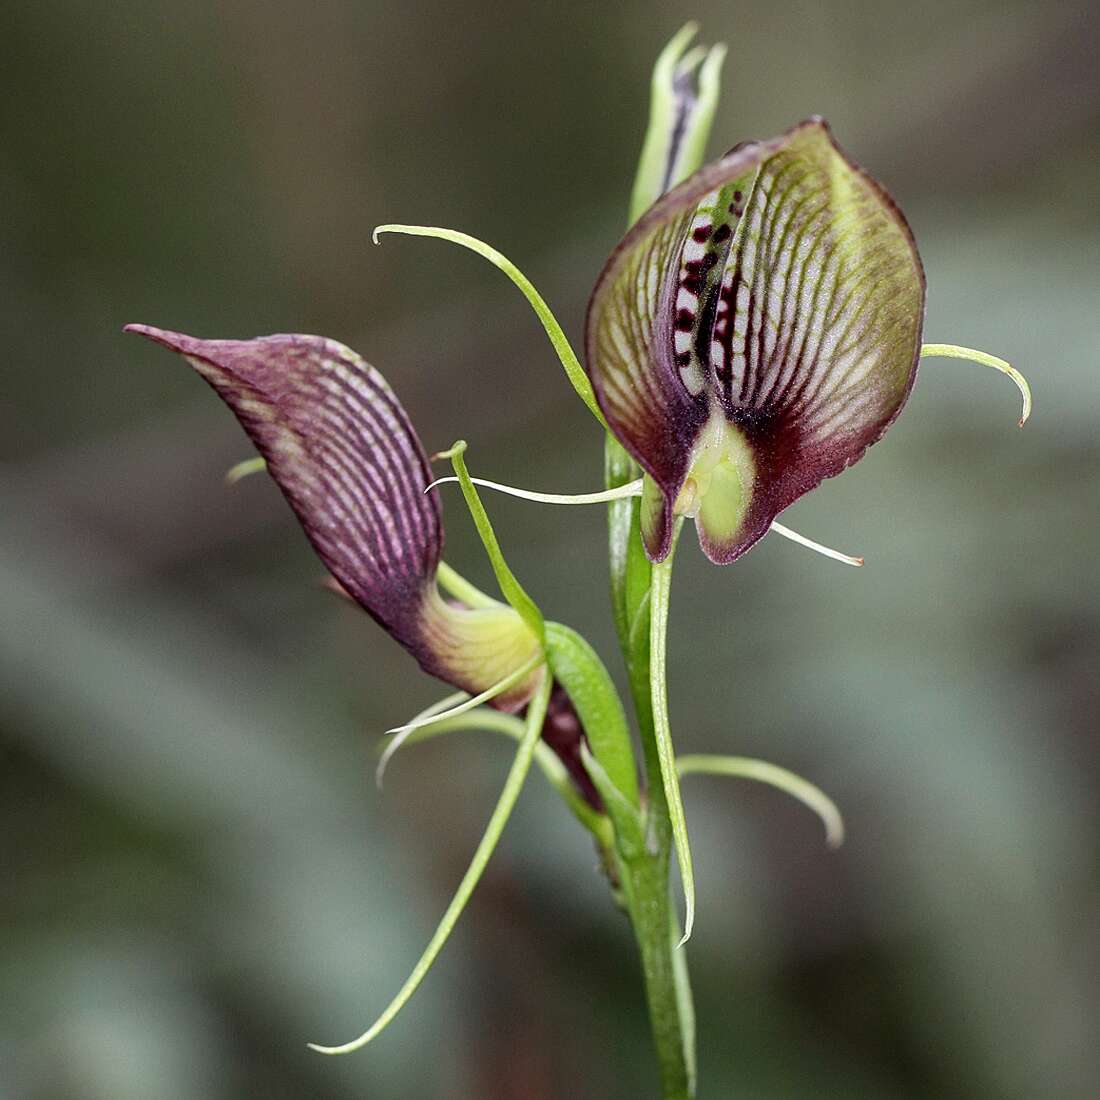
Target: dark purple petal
<point>341,448</point>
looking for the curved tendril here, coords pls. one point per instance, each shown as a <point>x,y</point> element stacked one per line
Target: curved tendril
<point>436,709</point>
<point>245,469</point>
<point>496,721</point>
<point>498,688</point>
<point>658,632</point>
<point>510,588</point>
<point>558,339</point>
<point>744,767</point>
<point>954,351</point>
<point>794,536</point>
<point>521,765</point>
<point>631,489</point>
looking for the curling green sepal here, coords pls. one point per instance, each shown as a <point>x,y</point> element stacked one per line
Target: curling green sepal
<point>578,668</point>
<point>510,588</point>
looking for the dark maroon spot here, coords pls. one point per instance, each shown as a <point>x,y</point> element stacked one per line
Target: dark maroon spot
<point>701,234</point>
<point>722,233</point>
<point>683,358</point>
<point>709,260</point>
<point>563,732</point>
<point>685,320</point>
<point>693,283</point>
<point>737,196</point>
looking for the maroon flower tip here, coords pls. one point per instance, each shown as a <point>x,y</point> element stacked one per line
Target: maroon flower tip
<point>342,450</point>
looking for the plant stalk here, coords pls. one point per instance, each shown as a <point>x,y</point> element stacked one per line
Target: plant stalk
<point>644,871</point>
<point>667,996</point>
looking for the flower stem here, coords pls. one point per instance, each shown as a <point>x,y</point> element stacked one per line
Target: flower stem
<point>668,995</point>
<point>644,867</point>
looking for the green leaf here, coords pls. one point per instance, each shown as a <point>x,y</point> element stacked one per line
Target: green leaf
<point>630,842</point>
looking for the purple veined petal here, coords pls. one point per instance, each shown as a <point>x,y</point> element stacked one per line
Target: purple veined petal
<point>754,333</point>
<point>341,448</point>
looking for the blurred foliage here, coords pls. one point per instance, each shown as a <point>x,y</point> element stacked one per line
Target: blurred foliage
<point>198,874</point>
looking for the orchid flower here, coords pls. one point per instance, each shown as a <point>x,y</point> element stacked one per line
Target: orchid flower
<point>755,331</point>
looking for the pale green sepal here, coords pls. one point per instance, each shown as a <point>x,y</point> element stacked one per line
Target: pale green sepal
<point>693,150</point>
<point>245,469</point>
<point>536,713</point>
<point>510,588</point>
<point>458,586</point>
<point>658,637</point>
<point>578,668</point>
<point>396,741</point>
<point>953,351</point>
<point>604,496</point>
<point>744,767</point>
<point>629,822</point>
<point>629,565</point>
<point>549,322</point>
<point>496,721</point>
<point>662,121</point>
<point>499,688</point>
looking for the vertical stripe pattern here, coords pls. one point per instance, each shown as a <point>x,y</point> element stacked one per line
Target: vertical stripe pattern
<point>341,448</point>
<point>780,286</point>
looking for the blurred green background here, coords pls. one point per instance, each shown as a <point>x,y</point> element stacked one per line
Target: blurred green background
<point>198,874</point>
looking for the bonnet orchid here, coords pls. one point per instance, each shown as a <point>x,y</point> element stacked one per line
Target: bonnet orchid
<point>755,331</point>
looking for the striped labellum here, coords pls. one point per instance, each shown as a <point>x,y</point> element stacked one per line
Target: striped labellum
<point>755,331</point>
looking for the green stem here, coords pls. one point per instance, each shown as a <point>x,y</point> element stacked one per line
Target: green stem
<point>639,598</point>
<point>644,864</point>
<point>658,636</point>
<point>645,882</point>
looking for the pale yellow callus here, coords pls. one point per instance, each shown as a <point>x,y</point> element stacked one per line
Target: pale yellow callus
<point>718,487</point>
<point>482,646</point>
